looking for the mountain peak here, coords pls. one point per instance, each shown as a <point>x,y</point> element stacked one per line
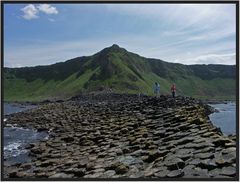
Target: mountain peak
<point>115,46</point>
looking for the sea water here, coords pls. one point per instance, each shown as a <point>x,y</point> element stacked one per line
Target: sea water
<point>225,118</point>
<point>16,138</point>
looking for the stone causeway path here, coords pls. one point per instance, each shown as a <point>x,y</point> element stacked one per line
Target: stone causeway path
<point>125,136</point>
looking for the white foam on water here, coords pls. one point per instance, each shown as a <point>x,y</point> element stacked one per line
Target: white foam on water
<point>25,129</point>
<point>15,127</point>
<point>5,119</point>
<point>9,125</point>
<point>13,149</point>
<point>12,146</point>
<point>17,153</point>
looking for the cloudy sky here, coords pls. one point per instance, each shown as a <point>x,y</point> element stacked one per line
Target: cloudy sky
<point>42,34</point>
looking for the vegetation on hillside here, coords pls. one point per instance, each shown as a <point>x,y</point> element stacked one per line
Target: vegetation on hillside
<point>120,70</point>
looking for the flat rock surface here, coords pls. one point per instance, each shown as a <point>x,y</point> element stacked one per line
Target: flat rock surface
<point>125,136</point>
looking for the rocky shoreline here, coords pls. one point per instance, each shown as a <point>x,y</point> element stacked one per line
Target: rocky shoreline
<point>125,136</point>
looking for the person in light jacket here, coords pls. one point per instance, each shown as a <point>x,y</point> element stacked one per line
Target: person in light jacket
<point>156,89</point>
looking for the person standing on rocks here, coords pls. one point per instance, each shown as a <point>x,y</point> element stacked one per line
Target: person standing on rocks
<point>173,90</point>
<point>156,89</point>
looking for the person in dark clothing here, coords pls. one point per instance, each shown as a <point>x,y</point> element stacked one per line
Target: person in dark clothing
<point>156,89</point>
<point>173,90</point>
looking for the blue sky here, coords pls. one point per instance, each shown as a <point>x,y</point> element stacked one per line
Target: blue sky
<point>42,34</point>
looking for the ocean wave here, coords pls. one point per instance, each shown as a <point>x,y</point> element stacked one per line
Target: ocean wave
<point>12,146</point>
<point>14,149</point>
<point>15,127</point>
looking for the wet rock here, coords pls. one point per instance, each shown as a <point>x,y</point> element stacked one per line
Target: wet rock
<point>29,146</point>
<point>175,174</point>
<point>79,172</point>
<point>229,150</point>
<point>196,172</point>
<point>207,164</point>
<point>198,145</point>
<point>68,139</point>
<point>162,173</point>
<point>16,174</point>
<point>129,160</point>
<point>150,170</point>
<point>184,151</point>
<point>61,175</point>
<point>138,153</point>
<point>139,174</point>
<point>174,163</point>
<point>95,175</point>
<point>108,174</point>
<point>184,141</point>
<point>185,157</point>
<point>119,136</point>
<point>121,169</point>
<point>204,155</point>
<point>215,172</point>
<point>221,142</point>
<point>229,171</point>
<point>41,175</point>
<point>188,168</point>
<point>183,127</point>
<point>26,166</point>
<point>124,131</point>
<point>153,155</point>
<point>119,151</point>
<point>231,144</point>
<point>160,133</point>
<point>47,163</point>
<point>208,134</point>
<point>225,159</point>
<point>36,150</point>
<point>42,129</point>
<point>194,162</point>
<point>230,157</point>
<point>197,121</point>
<point>204,150</point>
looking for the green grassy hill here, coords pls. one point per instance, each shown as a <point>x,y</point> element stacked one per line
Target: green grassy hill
<point>120,70</point>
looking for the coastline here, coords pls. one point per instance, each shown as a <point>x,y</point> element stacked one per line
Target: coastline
<point>167,125</point>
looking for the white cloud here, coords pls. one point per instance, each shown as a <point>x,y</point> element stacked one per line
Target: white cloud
<point>181,15</point>
<point>228,59</point>
<point>12,65</point>
<point>47,8</point>
<point>215,59</point>
<point>188,34</point>
<point>44,53</point>
<point>30,12</point>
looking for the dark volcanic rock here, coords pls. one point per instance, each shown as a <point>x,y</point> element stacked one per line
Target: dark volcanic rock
<point>175,174</point>
<point>122,135</point>
<point>229,171</point>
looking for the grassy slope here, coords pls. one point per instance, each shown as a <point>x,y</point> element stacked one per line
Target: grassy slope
<point>21,90</point>
<point>121,70</point>
<point>39,90</point>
